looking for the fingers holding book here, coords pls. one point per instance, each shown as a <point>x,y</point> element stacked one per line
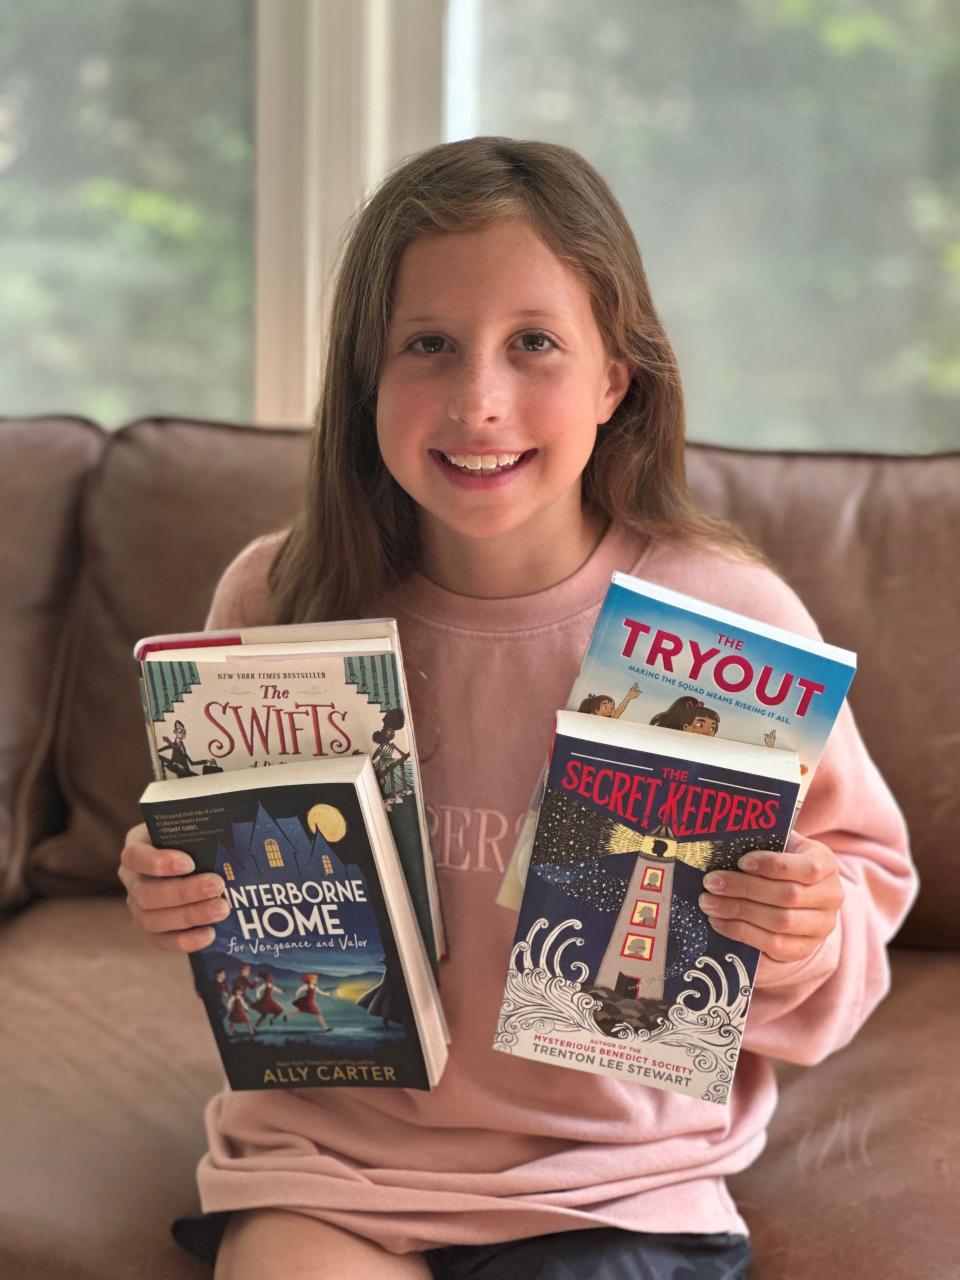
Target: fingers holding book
<point>174,908</point>
<point>783,904</point>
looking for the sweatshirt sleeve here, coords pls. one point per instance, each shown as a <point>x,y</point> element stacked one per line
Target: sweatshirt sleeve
<point>802,1011</point>
<point>242,597</point>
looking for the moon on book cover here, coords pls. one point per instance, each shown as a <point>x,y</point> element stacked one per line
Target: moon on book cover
<point>329,821</point>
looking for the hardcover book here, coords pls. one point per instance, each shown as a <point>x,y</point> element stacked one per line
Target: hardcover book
<point>224,700</point>
<point>659,657</point>
<point>318,975</point>
<point>615,969</point>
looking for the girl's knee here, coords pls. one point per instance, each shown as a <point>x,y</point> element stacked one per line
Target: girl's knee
<point>276,1244</point>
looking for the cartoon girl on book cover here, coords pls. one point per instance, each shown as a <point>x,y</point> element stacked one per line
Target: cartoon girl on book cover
<point>265,1002</point>
<point>243,979</point>
<point>237,1014</point>
<point>689,715</point>
<point>601,704</point>
<point>305,1001</point>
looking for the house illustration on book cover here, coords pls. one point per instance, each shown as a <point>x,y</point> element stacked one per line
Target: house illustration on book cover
<point>280,851</point>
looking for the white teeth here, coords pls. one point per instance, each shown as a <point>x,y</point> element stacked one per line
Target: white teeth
<point>483,462</point>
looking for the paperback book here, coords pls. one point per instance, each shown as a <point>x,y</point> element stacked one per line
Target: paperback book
<point>318,976</point>
<point>659,657</point>
<point>615,969</point>
<point>225,700</point>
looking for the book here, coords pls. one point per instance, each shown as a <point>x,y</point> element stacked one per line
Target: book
<point>258,696</point>
<point>660,657</point>
<point>318,975</point>
<point>615,969</point>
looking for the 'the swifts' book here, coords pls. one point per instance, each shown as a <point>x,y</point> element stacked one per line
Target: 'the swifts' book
<point>223,700</point>
<point>615,969</point>
<point>318,975</point>
<point>659,657</point>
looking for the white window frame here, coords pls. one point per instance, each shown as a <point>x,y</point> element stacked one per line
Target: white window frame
<point>344,90</point>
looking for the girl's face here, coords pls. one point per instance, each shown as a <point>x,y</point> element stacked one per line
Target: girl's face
<point>606,707</point>
<point>704,725</point>
<point>486,416</point>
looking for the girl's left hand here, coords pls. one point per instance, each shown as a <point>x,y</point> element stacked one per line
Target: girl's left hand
<point>784,904</point>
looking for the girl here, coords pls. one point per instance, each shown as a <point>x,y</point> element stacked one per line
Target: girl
<point>601,704</point>
<point>305,1001</point>
<point>690,715</point>
<point>237,1013</point>
<point>501,426</point>
<point>266,1002</point>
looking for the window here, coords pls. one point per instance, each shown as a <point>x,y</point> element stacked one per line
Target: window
<point>274,856</point>
<point>126,196</point>
<point>228,871</point>
<point>791,171</point>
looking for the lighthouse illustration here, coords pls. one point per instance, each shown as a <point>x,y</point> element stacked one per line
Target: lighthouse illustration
<point>634,962</point>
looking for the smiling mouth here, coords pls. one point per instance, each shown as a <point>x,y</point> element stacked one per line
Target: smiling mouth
<point>485,464</point>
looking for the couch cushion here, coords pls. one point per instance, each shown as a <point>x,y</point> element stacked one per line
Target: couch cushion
<point>108,1059</point>
<point>870,544</point>
<point>858,1175</point>
<point>171,504</point>
<point>44,464</point>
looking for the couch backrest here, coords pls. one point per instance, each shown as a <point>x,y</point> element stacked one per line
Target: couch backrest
<point>870,544</point>
<point>45,464</point>
<point>169,506</point>
<point>867,541</point>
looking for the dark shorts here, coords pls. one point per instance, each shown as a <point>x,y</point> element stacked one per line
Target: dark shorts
<point>601,1253</point>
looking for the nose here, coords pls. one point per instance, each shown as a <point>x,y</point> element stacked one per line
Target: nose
<point>478,393</point>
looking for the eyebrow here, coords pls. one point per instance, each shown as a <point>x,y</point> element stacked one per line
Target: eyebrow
<point>516,315</point>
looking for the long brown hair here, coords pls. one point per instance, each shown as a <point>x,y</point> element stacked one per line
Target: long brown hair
<point>358,533</point>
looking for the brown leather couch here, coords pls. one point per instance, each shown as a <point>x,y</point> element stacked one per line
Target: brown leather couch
<point>106,1057</point>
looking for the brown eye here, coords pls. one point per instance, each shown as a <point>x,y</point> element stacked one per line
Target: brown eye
<point>430,337</point>
<point>539,337</point>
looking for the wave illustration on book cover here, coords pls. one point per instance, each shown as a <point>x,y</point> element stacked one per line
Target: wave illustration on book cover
<point>299,960</point>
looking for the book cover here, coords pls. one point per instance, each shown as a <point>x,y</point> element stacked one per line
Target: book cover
<point>615,969</point>
<point>263,696</point>
<point>659,657</point>
<point>318,975</point>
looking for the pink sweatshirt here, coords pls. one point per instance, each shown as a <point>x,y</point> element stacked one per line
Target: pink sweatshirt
<point>507,1147</point>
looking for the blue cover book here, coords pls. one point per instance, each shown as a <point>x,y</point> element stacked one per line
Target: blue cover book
<point>318,976</point>
<point>615,969</point>
<point>659,657</point>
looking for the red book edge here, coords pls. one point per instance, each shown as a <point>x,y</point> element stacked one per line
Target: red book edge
<point>199,642</point>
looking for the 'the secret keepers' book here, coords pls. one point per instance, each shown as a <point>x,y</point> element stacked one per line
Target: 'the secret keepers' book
<point>224,700</point>
<point>662,658</point>
<point>615,969</point>
<point>318,975</point>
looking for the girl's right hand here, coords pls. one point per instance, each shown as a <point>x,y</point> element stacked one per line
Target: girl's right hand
<point>175,908</point>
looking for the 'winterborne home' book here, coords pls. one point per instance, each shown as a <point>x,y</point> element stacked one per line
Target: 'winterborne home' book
<point>223,700</point>
<point>615,969</point>
<point>663,658</point>
<point>318,975</point>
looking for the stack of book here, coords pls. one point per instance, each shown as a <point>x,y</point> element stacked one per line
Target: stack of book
<point>691,736</point>
<point>286,763</point>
